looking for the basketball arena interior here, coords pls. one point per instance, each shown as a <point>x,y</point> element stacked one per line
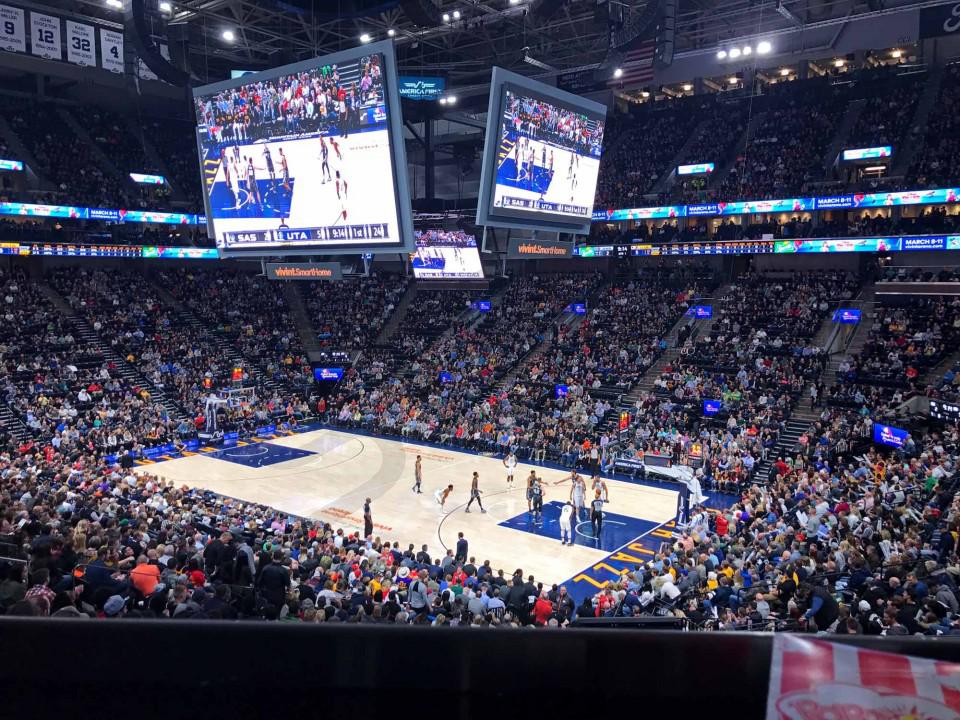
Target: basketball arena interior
<point>586,355</point>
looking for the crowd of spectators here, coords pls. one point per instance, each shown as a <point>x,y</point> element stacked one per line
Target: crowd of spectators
<point>937,162</point>
<point>787,145</point>
<point>908,336</point>
<point>250,313</point>
<point>844,537</point>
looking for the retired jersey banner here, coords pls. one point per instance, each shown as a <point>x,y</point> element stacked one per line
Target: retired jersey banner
<point>45,36</point>
<point>12,34</point>
<point>814,679</point>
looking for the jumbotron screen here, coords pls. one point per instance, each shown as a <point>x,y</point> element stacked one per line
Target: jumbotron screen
<point>301,159</point>
<point>549,158</point>
<point>446,255</point>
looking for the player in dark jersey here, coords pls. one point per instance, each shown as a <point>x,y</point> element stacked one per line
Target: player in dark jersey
<point>253,190</point>
<point>268,159</point>
<point>324,164</point>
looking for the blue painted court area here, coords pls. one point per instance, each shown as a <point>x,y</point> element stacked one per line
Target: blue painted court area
<point>618,530</point>
<point>258,455</point>
<point>507,175</point>
<point>274,200</point>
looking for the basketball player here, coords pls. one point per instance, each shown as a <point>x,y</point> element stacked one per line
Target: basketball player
<point>417,476</point>
<point>336,148</point>
<point>442,494</point>
<point>253,189</point>
<point>577,493</point>
<point>516,159</point>
<point>228,180</point>
<point>341,185</point>
<point>596,514</point>
<point>531,479</point>
<point>324,161</point>
<point>510,463</point>
<point>566,524</point>
<point>475,493</point>
<point>531,165</point>
<point>268,159</point>
<point>599,485</point>
<point>285,170</point>
<point>537,492</point>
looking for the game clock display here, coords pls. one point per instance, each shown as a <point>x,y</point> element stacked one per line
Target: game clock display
<point>305,158</point>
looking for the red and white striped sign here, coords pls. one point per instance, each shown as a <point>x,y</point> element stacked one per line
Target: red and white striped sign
<point>815,679</point>
<point>637,65</point>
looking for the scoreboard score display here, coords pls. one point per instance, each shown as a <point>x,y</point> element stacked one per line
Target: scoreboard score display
<point>945,411</point>
<point>306,158</point>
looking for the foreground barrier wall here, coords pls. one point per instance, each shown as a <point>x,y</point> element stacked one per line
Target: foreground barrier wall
<point>190,668</point>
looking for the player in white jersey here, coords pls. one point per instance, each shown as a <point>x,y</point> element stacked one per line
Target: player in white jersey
<point>566,524</point>
<point>510,463</point>
<point>578,493</point>
<point>599,484</point>
<point>284,170</point>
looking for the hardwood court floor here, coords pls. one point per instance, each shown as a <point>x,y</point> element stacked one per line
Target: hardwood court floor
<point>326,474</point>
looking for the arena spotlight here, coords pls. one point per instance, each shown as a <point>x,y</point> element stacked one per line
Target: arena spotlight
<point>721,54</point>
<point>456,14</point>
<point>645,94</point>
<point>446,17</point>
<point>734,53</point>
<point>391,32</point>
<point>747,50</point>
<point>897,54</point>
<point>365,38</point>
<point>451,99</point>
<point>442,101</point>
<point>165,7</point>
<point>839,63</point>
<point>228,35</point>
<point>734,80</point>
<point>687,87</point>
<point>618,73</point>
<point>784,72</point>
<point>514,2</point>
<point>764,47</point>
<point>116,4</point>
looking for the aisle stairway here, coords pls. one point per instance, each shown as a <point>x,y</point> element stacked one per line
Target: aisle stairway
<point>11,422</point>
<point>187,318</point>
<point>301,318</point>
<point>130,374</point>
<point>847,123</point>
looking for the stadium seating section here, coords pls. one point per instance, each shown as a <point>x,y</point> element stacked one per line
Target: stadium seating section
<point>821,526</point>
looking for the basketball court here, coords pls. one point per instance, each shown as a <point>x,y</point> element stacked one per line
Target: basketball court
<point>327,474</point>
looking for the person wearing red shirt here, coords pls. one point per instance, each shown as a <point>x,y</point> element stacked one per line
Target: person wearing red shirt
<point>542,609</point>
<point>722,525</point>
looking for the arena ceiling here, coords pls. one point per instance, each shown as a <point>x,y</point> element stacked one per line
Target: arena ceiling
<point>534,37</point>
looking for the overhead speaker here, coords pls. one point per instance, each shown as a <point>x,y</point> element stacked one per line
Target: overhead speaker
<point>422,13</point>
<point>136,30</point>
<point>666,33</point>
<point>641,24</point>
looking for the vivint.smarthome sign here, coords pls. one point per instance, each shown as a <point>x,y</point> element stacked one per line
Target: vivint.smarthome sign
<point>303,271</point>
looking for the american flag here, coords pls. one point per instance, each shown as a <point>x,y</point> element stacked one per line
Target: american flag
<point>819,679</point>
<point>637,65</point>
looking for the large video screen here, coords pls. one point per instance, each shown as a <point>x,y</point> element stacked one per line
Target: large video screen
<point>549,157</point>
<point>304,158</point>
<point>446,255</point>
